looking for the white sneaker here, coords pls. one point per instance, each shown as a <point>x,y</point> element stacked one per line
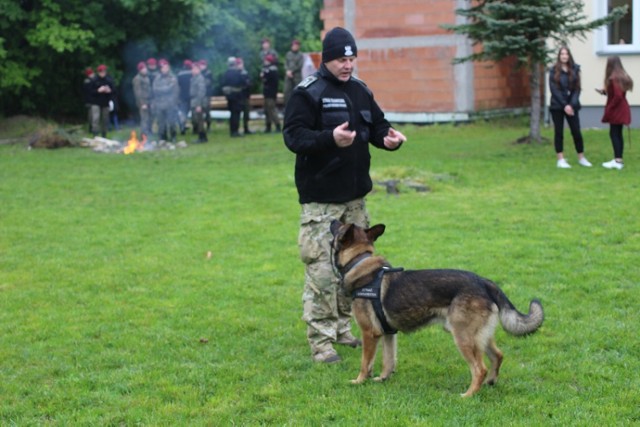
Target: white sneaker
<point>613,164</point>
<point>584,162</point>
<point>562,164</point>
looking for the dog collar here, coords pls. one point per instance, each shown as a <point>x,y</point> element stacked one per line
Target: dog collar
<point>354,262</point>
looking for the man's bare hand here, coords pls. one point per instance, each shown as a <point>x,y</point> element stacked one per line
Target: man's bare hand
<point>393,139</point>
<point>343,136</point>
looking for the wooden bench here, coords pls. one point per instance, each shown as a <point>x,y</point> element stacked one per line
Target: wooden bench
<point>256,101</point>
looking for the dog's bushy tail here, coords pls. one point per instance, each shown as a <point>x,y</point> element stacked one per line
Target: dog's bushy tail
<point>512,320</point>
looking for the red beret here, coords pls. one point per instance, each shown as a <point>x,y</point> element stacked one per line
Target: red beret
<point>163,62</point>
<point>102,67</point>
<point>152,61</point>
<point>202,63</point>
<point>270,58</point>
<point>88,71</point>
<point>188,63</point>
<point>295,41</point>
<point>141,65</point>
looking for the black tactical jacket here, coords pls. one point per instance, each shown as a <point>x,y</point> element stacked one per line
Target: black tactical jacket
<point>324,172</point>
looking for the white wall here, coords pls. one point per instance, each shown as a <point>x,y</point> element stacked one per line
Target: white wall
<point>592,66</point>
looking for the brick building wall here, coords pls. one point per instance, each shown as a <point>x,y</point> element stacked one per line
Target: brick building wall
<point>405,57</point>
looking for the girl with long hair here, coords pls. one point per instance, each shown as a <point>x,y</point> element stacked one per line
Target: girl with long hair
<point>564,83</point>
<point>616,112</point>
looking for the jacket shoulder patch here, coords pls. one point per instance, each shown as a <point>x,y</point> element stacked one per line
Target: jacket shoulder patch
<point>308,81</point>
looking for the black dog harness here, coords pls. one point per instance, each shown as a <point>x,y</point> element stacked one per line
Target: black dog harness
<point>372,292</point>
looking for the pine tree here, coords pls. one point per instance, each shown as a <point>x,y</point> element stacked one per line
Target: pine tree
<point>528,31</point>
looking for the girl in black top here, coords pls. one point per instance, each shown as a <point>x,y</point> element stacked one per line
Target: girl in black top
<point>564,83</point>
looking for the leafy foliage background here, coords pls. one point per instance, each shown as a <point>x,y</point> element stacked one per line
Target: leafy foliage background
<point>45,45</point>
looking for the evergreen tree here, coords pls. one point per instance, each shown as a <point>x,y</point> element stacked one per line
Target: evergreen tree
<point>529,31</point>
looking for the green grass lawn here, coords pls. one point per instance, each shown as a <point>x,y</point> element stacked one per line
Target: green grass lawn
<point>112,312</point>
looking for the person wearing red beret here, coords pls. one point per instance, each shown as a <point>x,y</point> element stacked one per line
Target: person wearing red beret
<point>102,91</point>
<point>165,101</point>
<point>142,95</point>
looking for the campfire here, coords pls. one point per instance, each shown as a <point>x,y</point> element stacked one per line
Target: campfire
<point>133,144</point>
<point>105,145</point>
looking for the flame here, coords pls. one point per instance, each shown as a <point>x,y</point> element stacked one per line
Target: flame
<point>134,144</point>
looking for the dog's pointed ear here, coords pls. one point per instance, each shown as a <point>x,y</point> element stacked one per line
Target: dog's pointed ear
<point>335,227</point>
<point>374,232</point>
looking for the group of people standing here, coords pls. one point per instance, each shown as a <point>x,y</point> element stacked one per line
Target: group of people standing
<point>164,99</point>
<point>236,85</point>
<point>99,97</point>
<point>565,86</point>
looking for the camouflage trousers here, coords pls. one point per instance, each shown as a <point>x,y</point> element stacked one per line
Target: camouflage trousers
<point>145,121</point>
<point>99,120</point>
<point>326,308</point>
<point>197,120</point>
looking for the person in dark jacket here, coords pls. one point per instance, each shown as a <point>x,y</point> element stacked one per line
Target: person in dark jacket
<point>330,120</point>
<point>86,92</point>
<point>564,83</point>
<point>616,112</point>
<point>246,95</point>
<point>102,90</point>
<point>233,83</point>
<point>269,75</point>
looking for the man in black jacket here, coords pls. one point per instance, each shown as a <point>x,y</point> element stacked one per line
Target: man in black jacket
<point>86,92</point>
<point>102,91</point>
<point>233,83</point>
<point>330,120</point>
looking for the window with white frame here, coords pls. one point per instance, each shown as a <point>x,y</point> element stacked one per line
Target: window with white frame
<point>622,36</point>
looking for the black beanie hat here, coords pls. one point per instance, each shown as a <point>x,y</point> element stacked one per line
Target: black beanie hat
<point>337,43</point>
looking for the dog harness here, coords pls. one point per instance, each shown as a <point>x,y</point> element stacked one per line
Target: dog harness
<point>372,292</point>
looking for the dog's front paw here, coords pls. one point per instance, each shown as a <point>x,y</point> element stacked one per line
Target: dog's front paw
<point>382,378</point>
<point>358,380</point>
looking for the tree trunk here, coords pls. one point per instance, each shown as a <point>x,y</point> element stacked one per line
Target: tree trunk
<point>536,104</point>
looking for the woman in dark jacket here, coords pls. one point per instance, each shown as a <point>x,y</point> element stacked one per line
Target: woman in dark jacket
<point>616,112</point>
<point>564,83</point>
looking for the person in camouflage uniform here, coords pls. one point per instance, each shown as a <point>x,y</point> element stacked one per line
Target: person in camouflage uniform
<point>142,93</point>
<point>330,121</point>
<point>293,62</point>
<point>208,80</point>
<point>184,99</point>
<point>199,101</point>
<point>165,101</point>
<point>152,70</point>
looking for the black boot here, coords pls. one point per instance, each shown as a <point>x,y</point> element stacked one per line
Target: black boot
<point>267,129</point>
<point>278,129</point>
<point>202,137</point>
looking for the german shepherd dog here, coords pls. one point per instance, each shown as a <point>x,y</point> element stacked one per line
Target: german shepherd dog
<point>469,306</point>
